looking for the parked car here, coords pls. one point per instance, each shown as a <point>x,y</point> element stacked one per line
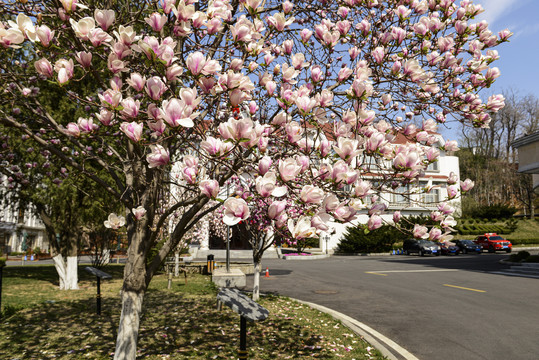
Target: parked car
<point>494,242</point>
<point>449,248</point>
<point>421,247</point>
<point>468,247</point>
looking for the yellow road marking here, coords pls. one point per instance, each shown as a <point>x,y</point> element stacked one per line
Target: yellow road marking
<point>375,273</point>
<point>464,288</point>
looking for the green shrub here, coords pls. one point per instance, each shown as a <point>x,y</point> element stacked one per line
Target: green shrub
<point>521,255</point>
<point>533,259</point>
<point>495,211</point>
<point>380,240</point>
<point>2,262</point>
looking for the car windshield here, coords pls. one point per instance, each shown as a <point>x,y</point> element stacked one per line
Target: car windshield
<point>467,242</point>
<point>496,238</point>
<point>425,242</point>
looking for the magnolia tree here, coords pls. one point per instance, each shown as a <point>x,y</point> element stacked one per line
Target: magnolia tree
<point>306,99</point>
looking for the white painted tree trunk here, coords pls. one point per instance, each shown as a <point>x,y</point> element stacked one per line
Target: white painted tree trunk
<point>126,342</point>
<point>72,275</point>
<point>256,281</point>
<point>67,272</point>
<point>177,264</point>
<point>60,266</point>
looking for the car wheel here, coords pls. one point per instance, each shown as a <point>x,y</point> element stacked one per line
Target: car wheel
<point>491,249</point>
<point>421,253</point>
<point>508,251</point>
<point>407,252</point>
<point>438,254</point>
<point>464,251</point>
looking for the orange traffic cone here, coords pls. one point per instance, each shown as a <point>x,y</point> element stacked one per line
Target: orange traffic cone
<point>267,273</point>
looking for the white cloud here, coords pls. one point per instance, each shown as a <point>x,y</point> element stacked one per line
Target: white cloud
<point>497,9</point>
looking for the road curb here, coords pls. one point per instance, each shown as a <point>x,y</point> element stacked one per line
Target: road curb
<point>373,337</point>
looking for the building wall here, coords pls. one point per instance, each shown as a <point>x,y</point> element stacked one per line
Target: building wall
<point>446,165</point>
<point>15,227</point>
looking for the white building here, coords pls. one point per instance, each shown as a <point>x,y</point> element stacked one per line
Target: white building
<point>20,229</point>
<point>420,204</point>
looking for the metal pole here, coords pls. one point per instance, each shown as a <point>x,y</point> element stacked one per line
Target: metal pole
<point>227,240</point>
<point>242,354</point>
<point>98,297</point>
<point>1,267</point>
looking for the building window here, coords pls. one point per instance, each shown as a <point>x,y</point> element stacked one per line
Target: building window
<point>400,196</point>
<point>431,198</point>
<point>433,167</point>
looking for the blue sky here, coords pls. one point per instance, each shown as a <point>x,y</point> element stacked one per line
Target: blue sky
<point>519,58</point>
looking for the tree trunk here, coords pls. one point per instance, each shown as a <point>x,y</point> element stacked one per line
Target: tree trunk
<point>126,342</point>
<point>256,280</point>
<point>60,266</point>
<point>72,274</point>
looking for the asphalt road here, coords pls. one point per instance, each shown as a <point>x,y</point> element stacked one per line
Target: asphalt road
<point>439,308</point>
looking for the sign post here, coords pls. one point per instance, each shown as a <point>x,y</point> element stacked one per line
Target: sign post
<point>247,309</point>
<point>99,275</point>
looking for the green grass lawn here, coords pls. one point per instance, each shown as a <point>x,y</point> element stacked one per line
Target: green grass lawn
<point>526,233</point>
<point>42,322</point>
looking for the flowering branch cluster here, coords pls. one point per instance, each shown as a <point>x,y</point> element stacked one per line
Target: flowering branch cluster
<point>299,99</point>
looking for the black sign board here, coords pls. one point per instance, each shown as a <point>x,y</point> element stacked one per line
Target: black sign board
<point>100,274</point>
<point>242,304</point>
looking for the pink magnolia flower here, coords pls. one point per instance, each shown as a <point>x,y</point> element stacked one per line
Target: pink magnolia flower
<point>44,67</point>
<point>25,26</point>
<point>305,104</point>
<point>466,185</point>
<point>83,27</point>
<point>397,216</point>
<point>111,98</point>
<point>104,18</point>
<point>276,208</point>
<point>126,34</point>
<point>114,221</point>
<point>374,222</point>
<point>362,188</point>
<point>84,58</point>
<point>305,35</point>
<point>347,148</point>
<point>264,165</point>
<point>378,54</point>
<point>139,212</point>
<point>64,68</point>
<point>105,117</point>
<point>98,37</point>
<point>279,21</point>
<point>288,169</point>
<point>155,87</point>
<point>45,35</point>
<point>132,130</point>
<point>86,126</point>
<point>197,64</point>
<point>159,156</point>
<point>445,208</point>
<point>420,232</point>
<point>235,210</point>
<point>435,234</point>
<point>73,129</point>
<point>156,21</point>
<point>175,113</point>
<point>130,108</point>
<point>137,81</point>
<point>311,194</point>
<point>210,188</point>
<point>452,191</point>
<point>302,229</point>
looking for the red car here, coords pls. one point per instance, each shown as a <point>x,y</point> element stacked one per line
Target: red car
<point>494,242</point>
